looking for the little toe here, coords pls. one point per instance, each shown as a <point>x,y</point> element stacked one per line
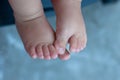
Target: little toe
<point>64,56</point>
<point>73,44</point>
<point>81,44</point>
<point>53,52</point>
<point>46,52</point>
<point>31,50</point>
<point>39,51</point>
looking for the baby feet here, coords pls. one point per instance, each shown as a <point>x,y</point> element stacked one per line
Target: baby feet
<point>38,36</point>
<point>70,26</point>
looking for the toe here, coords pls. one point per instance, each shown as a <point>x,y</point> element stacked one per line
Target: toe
<point>31,50</point>
<point>73,44</point>
<point>53,52</point>
<point>60,45</point>
<point>46,52</point>
<point>39,51</point>
<point>81,44</point>
<point>64,56</point>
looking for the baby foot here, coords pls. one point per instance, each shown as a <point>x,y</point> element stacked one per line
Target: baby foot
<point>70,26</point>
<point>38,38</point>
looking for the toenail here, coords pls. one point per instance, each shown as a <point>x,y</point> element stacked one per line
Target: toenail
<point>73,50</point>
<point>61,50</point>
<point>55,56</point>
<point>82,48</point>
<point>34,56</point>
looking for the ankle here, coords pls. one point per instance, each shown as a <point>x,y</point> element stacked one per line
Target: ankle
<point>24,18</point>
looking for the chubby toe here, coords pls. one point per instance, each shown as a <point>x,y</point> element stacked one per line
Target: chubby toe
<point>64,56</point>
<point>53,52</point>
<point>46,52</point>
<point>39,51</point>
<point>60,46</point>
<point>81,44</point>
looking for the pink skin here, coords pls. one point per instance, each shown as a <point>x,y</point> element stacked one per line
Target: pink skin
<point>34,29</point>
<point>70,26</point>
<point>39,39</point>
<point>36,42</point>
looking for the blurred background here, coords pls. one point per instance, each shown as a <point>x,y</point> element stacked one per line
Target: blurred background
<point>99,61</point>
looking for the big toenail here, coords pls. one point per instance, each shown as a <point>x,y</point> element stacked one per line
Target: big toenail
<point>34,56</point>
<point>55,56</point>
<point>61,50</point>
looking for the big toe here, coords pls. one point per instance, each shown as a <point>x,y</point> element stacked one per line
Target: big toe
<point>64,56</point>
<point>60,45</point>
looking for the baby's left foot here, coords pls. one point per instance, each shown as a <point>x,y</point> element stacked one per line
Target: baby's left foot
<point>70,26</point>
